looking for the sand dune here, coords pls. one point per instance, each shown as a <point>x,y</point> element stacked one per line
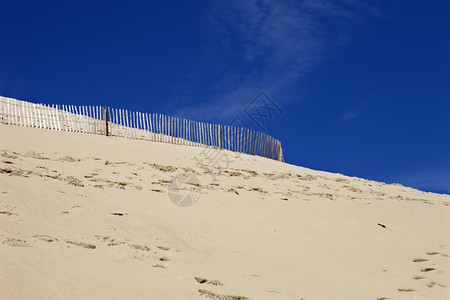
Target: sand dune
<point>88,216</point>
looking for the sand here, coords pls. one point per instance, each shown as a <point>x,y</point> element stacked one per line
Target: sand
<point>87,216</point>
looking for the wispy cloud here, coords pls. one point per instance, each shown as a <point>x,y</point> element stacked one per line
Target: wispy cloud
<point>349,115</point>
<point>263,44</point>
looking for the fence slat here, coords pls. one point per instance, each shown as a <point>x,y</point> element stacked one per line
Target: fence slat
<point>8,111</point>
<point>47,116</point>
<point>23,116</point>
<point>68,119</point>
<point>30,119</point>
<point>16,114</point>
<point>50,117</point>
<point>44,118</point>
<point>74,118</point>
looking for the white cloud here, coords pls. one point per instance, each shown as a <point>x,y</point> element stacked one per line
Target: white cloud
<point>349,115</point>
<point>266,45</point>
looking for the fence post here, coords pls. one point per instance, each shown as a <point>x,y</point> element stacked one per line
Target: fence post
<point>105,116</point>
<point>220,136</point>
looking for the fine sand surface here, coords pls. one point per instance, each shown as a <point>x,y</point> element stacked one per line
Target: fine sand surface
<point>87,216</point>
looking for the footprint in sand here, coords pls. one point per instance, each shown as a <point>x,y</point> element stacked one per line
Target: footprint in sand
<point>163,248</point>
<point>7,155</point>
<point>7,213</point>
<point>211,282</point>
<point>433,283</point>
<point>140,247</point>
<point>45,238</point>
<point>233,191</point>
<point>161,167</point>
<point>15,242</point>
<point>427,269</point>
<point>74,181</point>
<point>159,266</point>
<point>118,214</point>
<point>35,155</point>
<point>419,259</point>
<point>81,244</point>
<point>212,295</point>
<point>108,240</point>
<point>69,159</point>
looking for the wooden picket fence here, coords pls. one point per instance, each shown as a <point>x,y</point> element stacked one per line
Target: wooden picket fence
<point>137,125</point>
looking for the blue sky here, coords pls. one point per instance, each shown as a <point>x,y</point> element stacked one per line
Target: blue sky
<point>364,86</point>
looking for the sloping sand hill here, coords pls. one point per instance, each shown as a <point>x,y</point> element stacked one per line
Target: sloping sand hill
<point>87,216</point>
